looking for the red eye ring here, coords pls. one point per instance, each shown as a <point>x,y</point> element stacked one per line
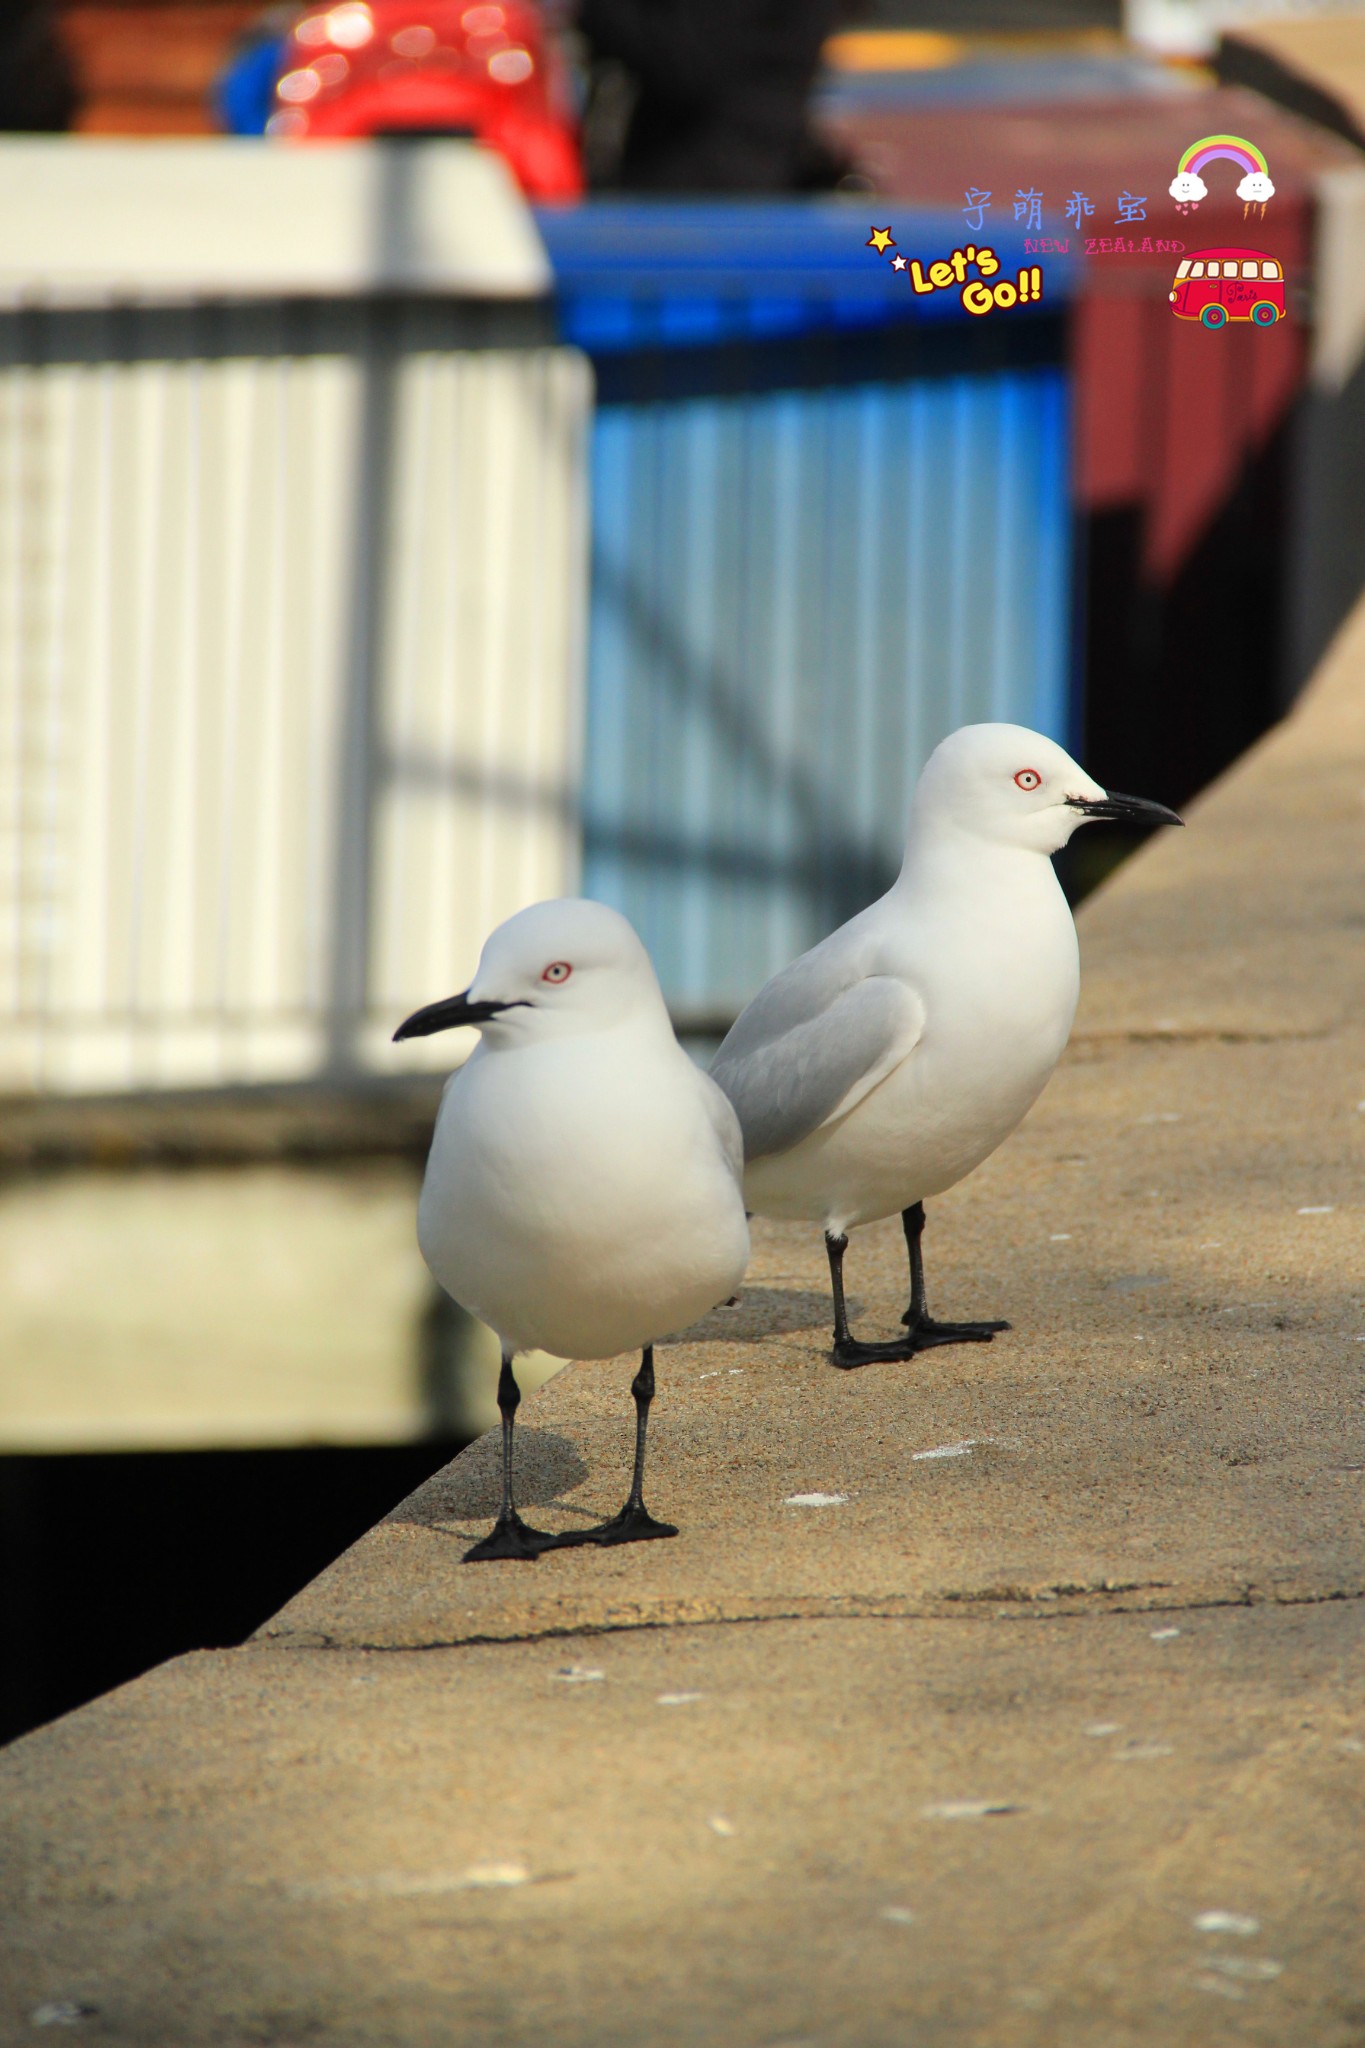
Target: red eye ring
<point>557,972</point>
<point>1029,778</point>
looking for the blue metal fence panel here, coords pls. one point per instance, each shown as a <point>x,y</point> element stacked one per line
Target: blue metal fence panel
<point>795,595</point>
<point>805,572</point>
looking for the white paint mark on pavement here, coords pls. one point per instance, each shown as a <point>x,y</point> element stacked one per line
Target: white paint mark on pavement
<point>969,1809</point>
<point>399,1884</point>
<point>1219,1922</point>
<point>815,1500</point>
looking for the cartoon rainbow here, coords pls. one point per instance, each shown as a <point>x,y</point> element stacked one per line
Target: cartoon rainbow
<point>1234,147</point>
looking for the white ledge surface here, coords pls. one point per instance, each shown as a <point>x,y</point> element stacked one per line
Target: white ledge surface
<point>169,221</point>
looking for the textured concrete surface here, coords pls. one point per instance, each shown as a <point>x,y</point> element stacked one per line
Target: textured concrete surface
<point>970,1755</point>
<point>766,1834</point>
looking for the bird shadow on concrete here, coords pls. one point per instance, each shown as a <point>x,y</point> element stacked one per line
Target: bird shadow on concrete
<point>760,1312</point>
<point>548,1467</point>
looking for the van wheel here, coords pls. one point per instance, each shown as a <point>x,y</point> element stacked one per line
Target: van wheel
<point>1213,316</point>
<point>1264,314</point>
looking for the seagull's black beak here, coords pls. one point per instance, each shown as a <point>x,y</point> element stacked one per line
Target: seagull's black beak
<point>1134,809</point>
<point>447,1015</point>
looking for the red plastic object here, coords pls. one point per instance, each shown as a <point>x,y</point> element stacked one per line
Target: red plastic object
<point>374,67</point>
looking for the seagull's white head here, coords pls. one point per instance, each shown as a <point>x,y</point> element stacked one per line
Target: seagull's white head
<point>1013,787</point>
<point>555,970</point>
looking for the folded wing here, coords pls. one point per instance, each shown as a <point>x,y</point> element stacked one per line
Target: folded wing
<point>809,1048</point>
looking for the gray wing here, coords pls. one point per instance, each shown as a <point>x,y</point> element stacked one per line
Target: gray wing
<point>812,1043</point>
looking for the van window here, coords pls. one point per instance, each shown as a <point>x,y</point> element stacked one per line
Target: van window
<point>1250,269</point>
<point>1196,270</point>
<point>1183,271</point>
<point>1270,270</point>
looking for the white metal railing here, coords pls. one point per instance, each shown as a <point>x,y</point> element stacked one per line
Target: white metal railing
<point>289,700</point>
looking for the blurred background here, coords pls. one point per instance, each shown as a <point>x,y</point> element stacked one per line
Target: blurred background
<point>453,454</point>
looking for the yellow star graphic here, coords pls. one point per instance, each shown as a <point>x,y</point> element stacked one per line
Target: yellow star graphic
<point>881,240</point>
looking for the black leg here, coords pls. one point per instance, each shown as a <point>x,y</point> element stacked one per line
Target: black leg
<point>835,1247</point>
<point>848,1352</point>
<point>634,1523</point>
<point>912,1222</point>
<point>923,1329</point>
<point>509,1536</point>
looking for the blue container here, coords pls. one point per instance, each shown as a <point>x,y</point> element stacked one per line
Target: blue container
<point>830,523</point>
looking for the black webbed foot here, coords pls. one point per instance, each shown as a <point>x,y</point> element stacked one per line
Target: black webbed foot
<point>510,1537</point>
<point>928,1331</point>
<point>631,1525</point>
<point>848,1353</point>
<point>923,1335</point>
<point>924,1330</point>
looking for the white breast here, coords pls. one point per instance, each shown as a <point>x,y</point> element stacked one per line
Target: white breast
<point>579,1200</point>
<point>999,984</point>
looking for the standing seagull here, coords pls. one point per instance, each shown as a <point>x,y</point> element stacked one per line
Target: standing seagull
<point>891,1059</point>
<point>583,1190</point>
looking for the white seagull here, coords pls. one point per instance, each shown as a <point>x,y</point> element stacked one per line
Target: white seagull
<point>582,1194</point>
<point>891,1059</point>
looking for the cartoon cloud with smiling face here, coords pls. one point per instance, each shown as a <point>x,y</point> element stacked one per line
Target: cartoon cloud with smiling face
<point>1187,188</point>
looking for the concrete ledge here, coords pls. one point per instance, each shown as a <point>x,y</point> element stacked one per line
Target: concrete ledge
<point>788,1779</point>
